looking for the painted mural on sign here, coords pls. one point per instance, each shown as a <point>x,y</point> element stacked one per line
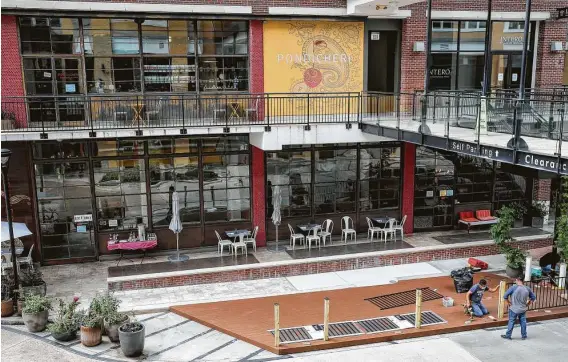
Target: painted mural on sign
<point>313,57</point>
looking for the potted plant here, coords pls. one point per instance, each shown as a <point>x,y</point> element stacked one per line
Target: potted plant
<point>31,282</point>
<point>131,335</point>
<point>501,233</point>
<point>7,295</point>
<point>561,229</point>
<point>66,324</point>
<point>92,323</point>
<point>35,312</point>
<point>518,210</point>
<point>112,318</point>
<point>538,211</point>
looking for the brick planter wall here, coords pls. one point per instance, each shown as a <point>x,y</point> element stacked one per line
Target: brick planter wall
<point>406,256</point>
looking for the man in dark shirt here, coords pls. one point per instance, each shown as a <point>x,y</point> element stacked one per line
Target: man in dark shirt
<point>475,295</point>
<point>518,298</point>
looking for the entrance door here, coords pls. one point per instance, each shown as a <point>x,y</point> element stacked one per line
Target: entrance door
<point>381,61</point>
<point>506,71</point>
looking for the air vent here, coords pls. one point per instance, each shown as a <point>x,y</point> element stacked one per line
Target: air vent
<point>291,335</point>
<point>400,299</point>
<point>428,318</point>
<point>377,325</point>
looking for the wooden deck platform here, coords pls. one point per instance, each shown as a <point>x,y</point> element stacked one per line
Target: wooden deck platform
<point>251,319</point>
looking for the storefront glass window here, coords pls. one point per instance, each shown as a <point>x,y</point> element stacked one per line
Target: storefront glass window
<point>380,178</point>
<point>443,71</point>
<point>134,55</point>
<point>63,194</point>
<point>474,179</point>
<point>335,181</point>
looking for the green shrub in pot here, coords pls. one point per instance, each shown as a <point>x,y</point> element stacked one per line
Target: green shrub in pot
<point>67,321</point>
<point>92,323</point>
<point>35,312</point>
<point>31,281</point>
<point>112,317</point>
<point>7,295</point>
<point>501,233</point>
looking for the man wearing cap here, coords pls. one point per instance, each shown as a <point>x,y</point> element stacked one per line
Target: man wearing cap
<point>518,298</point>
<point>475,295</point>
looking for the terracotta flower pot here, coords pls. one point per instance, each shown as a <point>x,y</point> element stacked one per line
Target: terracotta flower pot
<point>91,337</point>
<point>7,308</point>
<point>35,322</point>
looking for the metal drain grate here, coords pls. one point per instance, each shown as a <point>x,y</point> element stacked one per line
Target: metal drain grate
<point>340,329</point>
<point>291,335</point>
<point>377,325</point>
<point>394,300</point>
<point>428,318</point>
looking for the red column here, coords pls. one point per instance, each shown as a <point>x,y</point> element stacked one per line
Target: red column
<point>12,80</point>
<point>256,44</point>
<point>258,202</point>
<point>409,161</point>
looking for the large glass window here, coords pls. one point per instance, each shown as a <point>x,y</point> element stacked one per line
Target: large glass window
<point>335,181</point>
<point>379,178</point>
<point>330,172</point>
<point>134,55</point>
<point>433,189</point>
<point>474,179</point>
<point>64,200</point>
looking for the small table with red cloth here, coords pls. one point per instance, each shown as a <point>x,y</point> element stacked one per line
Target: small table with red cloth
<point>133,245</point>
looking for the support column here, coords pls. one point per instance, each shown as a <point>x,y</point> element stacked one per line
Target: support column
<point>256,46</point>
<point>408,164</point>
<point>12,79</point>
<point>258,202</point>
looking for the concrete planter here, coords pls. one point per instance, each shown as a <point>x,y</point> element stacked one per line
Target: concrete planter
<point>35,290</point>
<point>35,322</point>
<point>537,222</point>
<point>513,272</point>
<point>131,343</point>
<point>91,337</point>
<point>111,330</point>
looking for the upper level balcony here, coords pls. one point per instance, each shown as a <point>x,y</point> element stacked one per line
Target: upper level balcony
<point>530,130</point>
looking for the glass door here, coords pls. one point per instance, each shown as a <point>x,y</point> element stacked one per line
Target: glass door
<point>506,71</point>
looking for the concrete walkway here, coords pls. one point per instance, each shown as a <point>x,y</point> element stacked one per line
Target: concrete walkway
<point>160,299</point>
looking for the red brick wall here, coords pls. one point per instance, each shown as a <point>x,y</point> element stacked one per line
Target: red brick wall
<point>541,189</point>
<point>258,6</point>
<point>549,65</point>
<point>407,256</point>
<point>258,195</point>
<point>12,82</point>
<point>409,161</point>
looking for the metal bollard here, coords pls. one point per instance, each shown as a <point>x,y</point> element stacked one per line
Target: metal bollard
<point>326,319</point>
<point>418,313</point>
<point>501,306</point>
<point>276,324</point>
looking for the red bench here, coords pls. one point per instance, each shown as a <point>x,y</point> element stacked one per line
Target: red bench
<point>482,217</point>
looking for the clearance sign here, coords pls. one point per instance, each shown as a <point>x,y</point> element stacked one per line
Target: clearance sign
<point>313,57</point>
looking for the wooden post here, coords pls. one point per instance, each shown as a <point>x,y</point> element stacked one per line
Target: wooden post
<point>418,313</point>
<point>528,268</point>
<point>501,306</point>
<point>326,319</point>
<point>276,324</point>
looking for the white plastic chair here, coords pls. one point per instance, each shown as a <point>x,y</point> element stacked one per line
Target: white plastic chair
<point>389,229</point>
<point>313,236</point>
<point>372,230</point>
<point>400,227</point>
<point>294,236</point>
<point>26,259</point>
<point>252,239</point>
<point>5,264</point>
<point>348,229</point>
<point>222,243</point>
<point>326,231</point>
<point>253,107</point>
<point>240,245</point>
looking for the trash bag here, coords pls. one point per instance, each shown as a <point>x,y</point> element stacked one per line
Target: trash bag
<point>463,279</point>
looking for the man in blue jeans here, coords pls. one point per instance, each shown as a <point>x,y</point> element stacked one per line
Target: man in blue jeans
<point>518,298</point>
<point>475,295</point>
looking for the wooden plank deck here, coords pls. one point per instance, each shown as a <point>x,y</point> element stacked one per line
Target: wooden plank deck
<point>250,319</point>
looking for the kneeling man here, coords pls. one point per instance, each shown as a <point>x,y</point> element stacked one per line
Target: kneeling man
<point>475,295</point>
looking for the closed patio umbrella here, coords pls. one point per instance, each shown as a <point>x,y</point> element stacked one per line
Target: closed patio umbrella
<point>176,227</point>
<point>276,215</point>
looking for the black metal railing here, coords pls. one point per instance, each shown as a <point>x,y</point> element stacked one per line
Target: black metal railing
<point>444,112</point>
<point>550,292</point>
